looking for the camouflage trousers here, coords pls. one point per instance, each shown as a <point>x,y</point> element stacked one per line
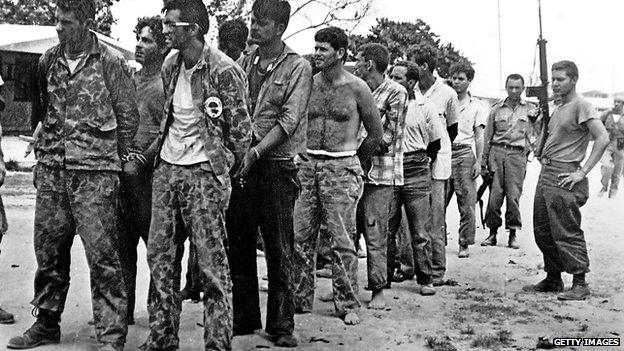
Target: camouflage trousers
<point>199,199</point>
<point>71,202</point>
<point>330,190</point>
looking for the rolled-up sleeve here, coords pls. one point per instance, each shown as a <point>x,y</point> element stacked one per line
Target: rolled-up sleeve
<point>237,128</point>
<point>396,106</point>
<point>297,95</point>
<point>123,98</point>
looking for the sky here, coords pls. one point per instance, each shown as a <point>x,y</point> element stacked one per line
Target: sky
<point>586,32</point>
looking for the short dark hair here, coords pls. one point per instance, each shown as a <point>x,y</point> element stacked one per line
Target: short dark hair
<point>514,76</point>
<point>276,10</point>
<point>235,31</point>
<point>568,67</point>
<point>463,67</point>
<point>193,11</point>
<point>154,23</point>
<point>336,37</point>
<point>412,70</point>
<point>424,54</point>
<point>82,9</point>
<point>377,53</point>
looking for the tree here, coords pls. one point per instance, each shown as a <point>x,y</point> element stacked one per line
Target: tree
<point>346,14</point>
<point>402,38</point>
<point>41,12</point>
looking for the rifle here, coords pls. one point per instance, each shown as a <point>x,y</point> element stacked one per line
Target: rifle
<point>487,184</point>
<point>541,91</point>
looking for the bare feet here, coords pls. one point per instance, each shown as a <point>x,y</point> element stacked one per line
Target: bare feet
<point>329,297</point>
<point>351,318</point>
<point>378,302</point>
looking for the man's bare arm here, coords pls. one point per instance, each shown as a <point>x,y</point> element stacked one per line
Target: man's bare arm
<point>478,138</point>
<point>369,115</point>
<point>601,141</point>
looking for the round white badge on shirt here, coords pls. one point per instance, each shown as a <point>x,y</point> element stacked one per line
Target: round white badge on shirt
<point>214,107</point>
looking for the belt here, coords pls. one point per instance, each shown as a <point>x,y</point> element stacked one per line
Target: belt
<point>415,153</point>
<point>457,147</point>
<point>331,154</point>
<point>547,161</point>
<point>509,147</point>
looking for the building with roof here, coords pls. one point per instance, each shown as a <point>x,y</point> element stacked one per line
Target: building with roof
<point>20,48</point>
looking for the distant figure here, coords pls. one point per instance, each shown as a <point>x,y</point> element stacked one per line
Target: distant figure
<point>562,188</point>
<point>509,133</point>
<point>467,150</point>
<point>233,38</point>
<point>613,158</point>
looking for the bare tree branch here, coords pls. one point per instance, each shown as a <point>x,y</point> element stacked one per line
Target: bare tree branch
<point>343,13</point>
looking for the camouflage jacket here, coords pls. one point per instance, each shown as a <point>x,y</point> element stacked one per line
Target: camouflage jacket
<point>90,117</point>
<point>219,89</point>
<point>283,99</point>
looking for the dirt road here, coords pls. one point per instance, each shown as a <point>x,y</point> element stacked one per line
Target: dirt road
<point>486,310</point>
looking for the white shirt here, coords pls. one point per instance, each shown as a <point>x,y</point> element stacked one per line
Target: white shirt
<point>445,98</point>
<point>472,114</point>
<point>183,144</point>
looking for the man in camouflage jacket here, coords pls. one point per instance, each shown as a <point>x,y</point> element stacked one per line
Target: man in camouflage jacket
<point>90,117</point>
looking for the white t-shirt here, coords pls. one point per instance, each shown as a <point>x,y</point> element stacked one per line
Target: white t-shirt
<point>183,144</point>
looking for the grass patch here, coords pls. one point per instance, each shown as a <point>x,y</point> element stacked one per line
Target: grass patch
<point>492,341</point>
<point>467,330</point>
<point>439,343</point>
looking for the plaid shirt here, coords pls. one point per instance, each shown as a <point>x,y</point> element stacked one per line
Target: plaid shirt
<point>391,99</point>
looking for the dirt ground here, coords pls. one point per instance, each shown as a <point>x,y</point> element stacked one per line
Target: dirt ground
<point>487,310</point>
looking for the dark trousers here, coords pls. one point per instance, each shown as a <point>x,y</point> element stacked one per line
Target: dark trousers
<point>414,196</point>
<point>372,218</point>
<point>464,186</point>
<point>135,198</point>
<point>266,200</point>
<point>509,168</point>
<point>557,221</point>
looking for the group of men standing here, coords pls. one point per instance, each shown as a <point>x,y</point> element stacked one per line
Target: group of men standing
<point>197,146</point>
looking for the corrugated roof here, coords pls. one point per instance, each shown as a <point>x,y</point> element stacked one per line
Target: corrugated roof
<point>37,39</point>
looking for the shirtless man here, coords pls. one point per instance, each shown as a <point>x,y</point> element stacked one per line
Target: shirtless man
<point>331,174</point>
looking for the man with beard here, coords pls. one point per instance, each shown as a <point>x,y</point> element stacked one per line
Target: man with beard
<point>267,185</point>
<point>136,188</point>
<point>331,174</point>
<point>90,118</point>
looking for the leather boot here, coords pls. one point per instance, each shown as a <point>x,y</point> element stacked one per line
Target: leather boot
<point>513,242</point>
<point>490,240</point>
<point>6,317</point>
<point>45,330</point>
